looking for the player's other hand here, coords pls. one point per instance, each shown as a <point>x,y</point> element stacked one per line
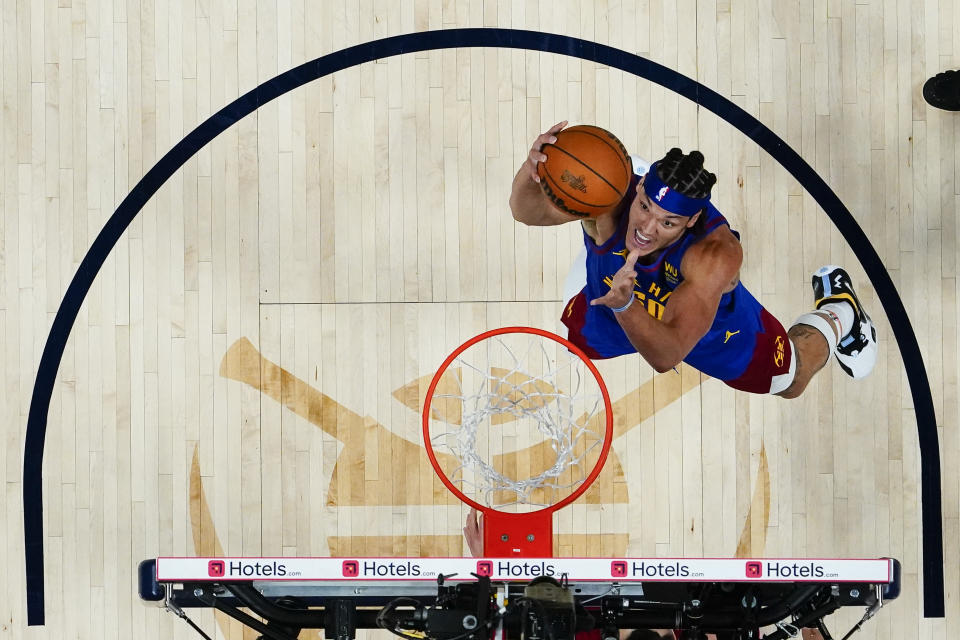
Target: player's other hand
<point>473,532</point>
<point>622,286</point>
<point>536,156</point>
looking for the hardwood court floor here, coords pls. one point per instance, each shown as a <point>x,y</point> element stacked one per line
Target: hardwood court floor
<point>245,375</point>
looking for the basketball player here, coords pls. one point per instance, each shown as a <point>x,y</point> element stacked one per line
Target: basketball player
<point>660,275</point>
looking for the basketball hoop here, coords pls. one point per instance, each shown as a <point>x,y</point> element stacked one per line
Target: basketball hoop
<point>517,423</point>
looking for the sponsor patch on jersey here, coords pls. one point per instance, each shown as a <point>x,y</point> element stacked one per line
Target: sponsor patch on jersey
<point>671,273</point>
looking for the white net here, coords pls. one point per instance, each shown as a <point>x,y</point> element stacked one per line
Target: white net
<point>521,419</point>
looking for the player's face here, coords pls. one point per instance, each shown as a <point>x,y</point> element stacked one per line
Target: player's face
<point>651,228</point>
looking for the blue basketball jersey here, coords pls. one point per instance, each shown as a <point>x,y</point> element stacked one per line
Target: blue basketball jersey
<point>723,353</point>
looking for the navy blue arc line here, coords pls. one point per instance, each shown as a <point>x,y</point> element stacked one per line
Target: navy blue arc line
<point>461,38</point>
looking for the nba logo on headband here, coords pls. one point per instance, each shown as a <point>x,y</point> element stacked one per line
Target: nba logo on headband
<point>671,200</point>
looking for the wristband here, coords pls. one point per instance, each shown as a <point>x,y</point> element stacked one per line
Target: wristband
<point>626,306</point>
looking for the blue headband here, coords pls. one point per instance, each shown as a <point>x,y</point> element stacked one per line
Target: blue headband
<point>667,198</point>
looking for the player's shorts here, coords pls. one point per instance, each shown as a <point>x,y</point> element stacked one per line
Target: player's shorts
<point>772,367</point>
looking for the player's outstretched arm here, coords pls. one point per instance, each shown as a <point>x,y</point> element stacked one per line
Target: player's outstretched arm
<point>528,202</point>
<point>710,268</point>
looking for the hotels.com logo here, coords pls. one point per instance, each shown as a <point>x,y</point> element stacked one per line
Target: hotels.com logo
<point>351,568</point>
<point>216,568</point>
<point>754,569</point>
<point>618,569</point>
<point>484,568</point>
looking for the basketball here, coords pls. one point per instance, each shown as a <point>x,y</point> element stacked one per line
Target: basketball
<point>587,171</point>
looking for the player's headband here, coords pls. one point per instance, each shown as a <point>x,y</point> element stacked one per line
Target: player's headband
<point>669,199</point>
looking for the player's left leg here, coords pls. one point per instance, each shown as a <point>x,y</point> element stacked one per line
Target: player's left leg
<point>839,327</point>
<point>810,352</point>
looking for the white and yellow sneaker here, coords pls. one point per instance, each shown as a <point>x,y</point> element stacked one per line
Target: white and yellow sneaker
<point>857,350</point>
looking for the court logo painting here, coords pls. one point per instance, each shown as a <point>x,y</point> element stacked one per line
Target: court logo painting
<point>243,363</point>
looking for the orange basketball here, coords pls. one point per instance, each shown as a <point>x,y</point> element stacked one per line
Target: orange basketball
<point>587,171</point>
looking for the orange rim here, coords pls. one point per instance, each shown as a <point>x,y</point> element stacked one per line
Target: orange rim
<point>608,410</point>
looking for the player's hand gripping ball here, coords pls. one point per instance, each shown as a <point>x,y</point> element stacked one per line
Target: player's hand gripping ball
<point>587,171</point>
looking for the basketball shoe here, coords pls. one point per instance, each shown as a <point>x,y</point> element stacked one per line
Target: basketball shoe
<point>857,350</point>
<point>943,90</point>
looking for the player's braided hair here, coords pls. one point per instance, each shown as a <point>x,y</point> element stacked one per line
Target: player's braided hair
<point>685,173</point>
